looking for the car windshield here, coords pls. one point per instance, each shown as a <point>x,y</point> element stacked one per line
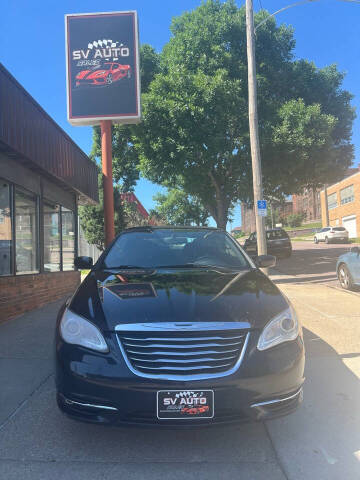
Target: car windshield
<point>174,248</point>
<point>276,234</point>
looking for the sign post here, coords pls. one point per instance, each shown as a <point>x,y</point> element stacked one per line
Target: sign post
<point>106,157</point>
<point>103,83</point>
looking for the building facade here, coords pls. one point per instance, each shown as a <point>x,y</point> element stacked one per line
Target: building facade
<point>44,176</point>
<point>343,200</point>
<point>308,204</point>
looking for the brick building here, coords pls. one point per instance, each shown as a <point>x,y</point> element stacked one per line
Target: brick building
<point>343,204</point>
<point>44,176</point>
<point>308,203</point>
<point>248,223</point>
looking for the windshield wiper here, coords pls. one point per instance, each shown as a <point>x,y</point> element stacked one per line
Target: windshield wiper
<point>129,267</point>
<point>198,265</point>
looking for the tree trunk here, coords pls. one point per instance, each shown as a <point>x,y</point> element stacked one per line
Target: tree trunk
<point>220,212</point>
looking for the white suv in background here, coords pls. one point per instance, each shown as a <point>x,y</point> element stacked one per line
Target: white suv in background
<point>332,234</point>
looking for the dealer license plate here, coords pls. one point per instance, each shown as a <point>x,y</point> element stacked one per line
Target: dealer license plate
<point>185,404</point>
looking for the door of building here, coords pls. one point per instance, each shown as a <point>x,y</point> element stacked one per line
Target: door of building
<point>350,224</point>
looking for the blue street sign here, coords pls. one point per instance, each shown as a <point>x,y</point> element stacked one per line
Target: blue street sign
<point>261,208</point>
<point>261,204</point>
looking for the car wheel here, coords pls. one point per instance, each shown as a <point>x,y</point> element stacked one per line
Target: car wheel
<point>345,278</point>
<point>109,79</point>
<point>316,240</point>
<point>326,240</point>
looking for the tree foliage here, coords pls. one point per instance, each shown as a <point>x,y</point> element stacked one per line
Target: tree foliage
<point>195,131</point>
<point>178,208</point>
<point>125,168</point>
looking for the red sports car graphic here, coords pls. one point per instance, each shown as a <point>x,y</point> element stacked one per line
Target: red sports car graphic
<point>103,75</point>
<point>195,410</point>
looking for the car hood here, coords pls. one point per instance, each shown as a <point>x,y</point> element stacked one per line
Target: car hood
<point>110,298</point>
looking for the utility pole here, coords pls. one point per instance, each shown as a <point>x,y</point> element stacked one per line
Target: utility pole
<point>253,126</point>
<point>326,207</point>
<point>106,161</point>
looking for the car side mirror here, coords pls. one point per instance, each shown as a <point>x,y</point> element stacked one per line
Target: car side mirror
<point>265,261</point>
<point>83,262</point>
<point>355,250</point>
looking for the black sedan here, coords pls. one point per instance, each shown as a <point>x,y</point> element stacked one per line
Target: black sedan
<point>177,327</point>
<point>277,240</point>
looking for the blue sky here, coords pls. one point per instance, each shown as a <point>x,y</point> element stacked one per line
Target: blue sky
<point>32,48</point>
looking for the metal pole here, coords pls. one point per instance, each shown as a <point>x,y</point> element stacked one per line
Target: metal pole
<point>106,159</point>
<point>253,126</point>
<point>326,207</point>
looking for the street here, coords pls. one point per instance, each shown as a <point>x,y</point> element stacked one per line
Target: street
<point>320,441</point>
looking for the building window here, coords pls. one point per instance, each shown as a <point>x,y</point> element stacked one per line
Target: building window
<point>68,238</point>
<point>347,195</point>
<point>26,233</point>
<point>5,229</point>
<point>51,237</point>
<point>332,201</point>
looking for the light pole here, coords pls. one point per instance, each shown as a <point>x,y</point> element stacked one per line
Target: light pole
<point>253,128</point>
<point>253,116</point>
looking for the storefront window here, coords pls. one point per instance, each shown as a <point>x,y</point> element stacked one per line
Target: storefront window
<point>5,229</point>
<point>51,238</point>
<point>68,238</point>
<point>26,221</point>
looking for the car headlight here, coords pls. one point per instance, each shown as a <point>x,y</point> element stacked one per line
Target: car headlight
<point>78,331</point>
<point>283,328</point>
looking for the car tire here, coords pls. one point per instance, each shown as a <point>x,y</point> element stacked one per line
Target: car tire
<point>345,278</point>
<point>316,241</point>
<point>109,79</point>
<point>327,240</point>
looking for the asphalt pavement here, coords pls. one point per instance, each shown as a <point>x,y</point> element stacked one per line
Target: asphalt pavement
<point>319,441</point>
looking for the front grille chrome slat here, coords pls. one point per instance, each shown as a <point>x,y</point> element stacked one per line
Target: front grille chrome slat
<point>191,346</point>
<point>171,360</point>
<point>183,354</point>
<point>202,367</point>
<point>192,352</point>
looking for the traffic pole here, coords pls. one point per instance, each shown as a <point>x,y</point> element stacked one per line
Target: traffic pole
<point>253,127</point>
<point>106,160</point>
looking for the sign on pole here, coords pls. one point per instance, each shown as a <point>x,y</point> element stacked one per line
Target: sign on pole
<point>102,66</point>
<point>262,208</point>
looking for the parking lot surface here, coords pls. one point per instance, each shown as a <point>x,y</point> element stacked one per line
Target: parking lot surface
<point>320,441</point>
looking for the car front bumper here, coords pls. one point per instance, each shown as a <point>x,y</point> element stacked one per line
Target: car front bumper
<point>100,388</point>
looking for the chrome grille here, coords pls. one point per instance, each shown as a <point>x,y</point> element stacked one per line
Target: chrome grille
<point>189,352</point>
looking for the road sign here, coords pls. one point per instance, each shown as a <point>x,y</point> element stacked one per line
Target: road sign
<point>261,208</point>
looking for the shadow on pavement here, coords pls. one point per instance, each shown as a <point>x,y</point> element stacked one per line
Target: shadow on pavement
<point>313,263</point>
<point>322,439</point>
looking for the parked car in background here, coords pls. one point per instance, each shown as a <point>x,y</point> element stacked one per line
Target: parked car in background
<point>177,326</point>
<point>348,269</point>
<point>277,240</point>
<point>332,234</point>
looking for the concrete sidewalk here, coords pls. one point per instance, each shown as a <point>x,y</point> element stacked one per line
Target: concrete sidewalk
<point>26,357</point>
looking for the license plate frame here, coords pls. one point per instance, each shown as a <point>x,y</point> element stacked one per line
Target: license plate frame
<point>199,409</point>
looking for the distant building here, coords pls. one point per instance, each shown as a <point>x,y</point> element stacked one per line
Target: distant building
<point>308,203</point>
<point>248,214</point>
<point>343,200</point>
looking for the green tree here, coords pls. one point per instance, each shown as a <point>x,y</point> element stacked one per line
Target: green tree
<point>195,135</point>
<point>125,171</point>
<point>92,217</point>
<point>178,208</point>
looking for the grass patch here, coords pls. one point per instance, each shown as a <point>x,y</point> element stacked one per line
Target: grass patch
<point>354,240</point>
<point>307,225</point>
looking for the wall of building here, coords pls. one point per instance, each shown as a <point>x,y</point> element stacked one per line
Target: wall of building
<point>18,294</point>
<point>337,214</point>
<point>308,203</point>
